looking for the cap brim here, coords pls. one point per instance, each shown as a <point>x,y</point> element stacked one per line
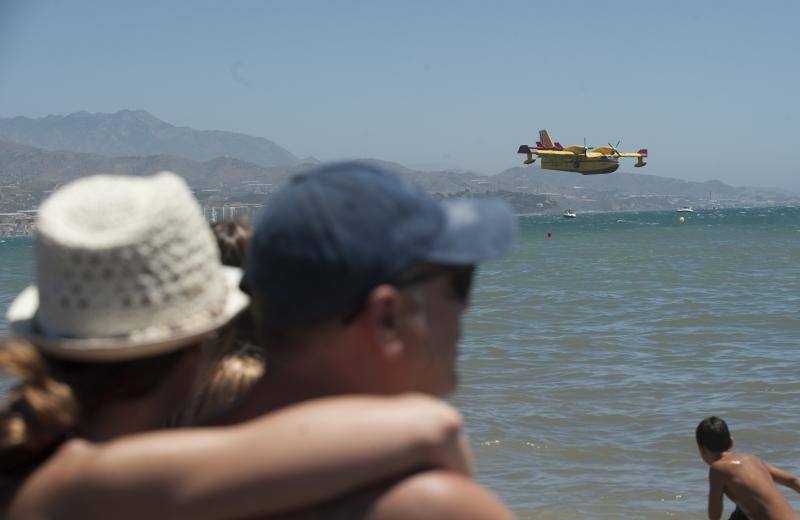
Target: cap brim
<point>21,317</point>
<point>475,230</point>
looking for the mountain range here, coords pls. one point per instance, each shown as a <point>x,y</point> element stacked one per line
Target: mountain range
<point>138,133</point>
<point>37,155</point>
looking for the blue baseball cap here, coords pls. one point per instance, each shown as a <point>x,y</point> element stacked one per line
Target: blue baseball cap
<point>331,235</point>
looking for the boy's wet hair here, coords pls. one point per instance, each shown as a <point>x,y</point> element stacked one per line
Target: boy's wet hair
<point>712,433</point>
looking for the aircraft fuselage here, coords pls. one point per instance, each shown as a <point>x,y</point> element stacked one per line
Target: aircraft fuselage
<point>582,165</point>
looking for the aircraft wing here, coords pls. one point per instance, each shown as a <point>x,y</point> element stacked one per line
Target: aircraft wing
<point>551,152</point>
<point>640,153</point>
<point>541,153</point>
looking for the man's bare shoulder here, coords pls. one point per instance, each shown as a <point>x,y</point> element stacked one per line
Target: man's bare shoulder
<point>438,494</point>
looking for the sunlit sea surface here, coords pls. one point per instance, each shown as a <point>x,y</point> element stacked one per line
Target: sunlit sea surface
<point>588,359</point>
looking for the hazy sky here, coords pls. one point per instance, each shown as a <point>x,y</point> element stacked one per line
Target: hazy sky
<point>710,88</point>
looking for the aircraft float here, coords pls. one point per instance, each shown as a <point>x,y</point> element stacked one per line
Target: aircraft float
<point>578,158</point>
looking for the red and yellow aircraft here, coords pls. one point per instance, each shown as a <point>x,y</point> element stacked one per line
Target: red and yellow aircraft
<point>578,158</point>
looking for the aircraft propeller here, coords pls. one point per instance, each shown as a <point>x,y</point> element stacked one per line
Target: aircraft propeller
<point>614,147</point>
<point>586,148</point>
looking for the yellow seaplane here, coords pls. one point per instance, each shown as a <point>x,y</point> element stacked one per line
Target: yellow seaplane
<point>581,159</point>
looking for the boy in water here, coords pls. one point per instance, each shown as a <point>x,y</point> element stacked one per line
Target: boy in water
<point>746,480</point>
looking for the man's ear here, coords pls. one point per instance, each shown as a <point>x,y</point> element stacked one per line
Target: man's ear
<point>382,316</point>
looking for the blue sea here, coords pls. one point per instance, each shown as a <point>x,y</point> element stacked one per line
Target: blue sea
<point>589,358</point>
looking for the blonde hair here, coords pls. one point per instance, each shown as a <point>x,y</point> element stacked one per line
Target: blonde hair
<point>240,362</point>
<point>230,379</point>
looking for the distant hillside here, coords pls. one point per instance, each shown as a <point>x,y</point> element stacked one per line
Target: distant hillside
<point>630,183</point>
<point>138,133</point>
<point>36,169</point>
<point>26,173</point>
<point>441,182</point>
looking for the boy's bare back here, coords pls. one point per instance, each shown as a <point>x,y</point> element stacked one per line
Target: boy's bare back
<point>748,481</point>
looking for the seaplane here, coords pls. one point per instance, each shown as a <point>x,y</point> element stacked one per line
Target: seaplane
<point>585,160</point>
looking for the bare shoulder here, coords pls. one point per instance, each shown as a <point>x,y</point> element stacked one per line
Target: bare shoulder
<point>718,469</point>
<point>726,466</point>
<point>47,487</point>
<point>438,494</point>
<point>751,459</point>
<point>736,461</point>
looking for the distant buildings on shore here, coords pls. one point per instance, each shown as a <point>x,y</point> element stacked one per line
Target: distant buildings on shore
<point>22,223</point>
<point>17,224</point>
<point>238,212</point>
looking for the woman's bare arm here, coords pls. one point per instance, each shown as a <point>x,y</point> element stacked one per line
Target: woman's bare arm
<point>298,456</point>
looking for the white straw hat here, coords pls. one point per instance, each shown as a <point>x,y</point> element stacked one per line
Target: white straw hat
<point>126,267</point>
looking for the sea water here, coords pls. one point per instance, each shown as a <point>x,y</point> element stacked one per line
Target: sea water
<point>588,359</point>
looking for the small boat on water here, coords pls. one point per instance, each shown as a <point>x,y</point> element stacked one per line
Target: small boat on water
<point>685,209</point>
<point>569,214</point>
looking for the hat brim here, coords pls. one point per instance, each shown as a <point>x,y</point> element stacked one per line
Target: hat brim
<point>149,342</point>
<point>475,230</point>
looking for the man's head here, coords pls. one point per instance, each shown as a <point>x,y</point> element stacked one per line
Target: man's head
<point>713,438</point>
<point>352,250</point>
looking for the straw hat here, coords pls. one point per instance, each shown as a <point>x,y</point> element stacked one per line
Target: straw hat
<point>126,267</point>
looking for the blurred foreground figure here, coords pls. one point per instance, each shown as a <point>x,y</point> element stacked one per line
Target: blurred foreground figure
<point>112,341</point>
<point>359,282</point>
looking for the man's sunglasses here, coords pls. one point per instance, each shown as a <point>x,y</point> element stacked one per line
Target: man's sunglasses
<point>460,279</point>
<point>461,283</point>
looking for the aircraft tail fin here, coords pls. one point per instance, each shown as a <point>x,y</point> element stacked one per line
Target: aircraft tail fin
<point>544,137</point>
